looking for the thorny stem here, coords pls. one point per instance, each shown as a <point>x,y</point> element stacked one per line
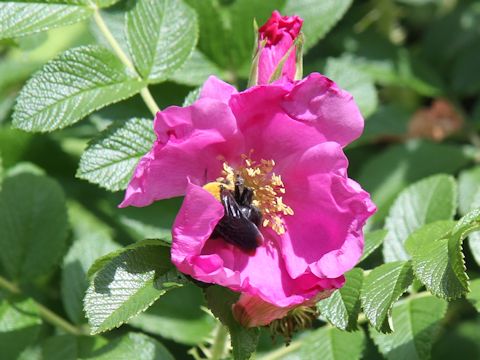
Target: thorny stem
<point>44,312</point>
<point>219,343</point>
<point>145,93</point>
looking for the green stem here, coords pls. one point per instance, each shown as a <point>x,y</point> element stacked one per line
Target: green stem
<point>219,343</point>
<point>145,93</point>
<point>44,312</point>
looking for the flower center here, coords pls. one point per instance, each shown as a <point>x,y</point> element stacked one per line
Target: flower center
<point>268,189</point>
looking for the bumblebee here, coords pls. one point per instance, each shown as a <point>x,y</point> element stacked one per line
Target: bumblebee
<point>239,226</point>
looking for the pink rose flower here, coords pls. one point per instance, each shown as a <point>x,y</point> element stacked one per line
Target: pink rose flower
<point>278,34</point>
<point>284,140</point>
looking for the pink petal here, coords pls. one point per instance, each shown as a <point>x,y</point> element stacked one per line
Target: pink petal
<point>215,88</point>
<point>332,111</point>
<point>191,142</point>
<point>324,236</point>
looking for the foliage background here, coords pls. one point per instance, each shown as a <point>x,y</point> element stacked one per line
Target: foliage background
<point>61,178</point>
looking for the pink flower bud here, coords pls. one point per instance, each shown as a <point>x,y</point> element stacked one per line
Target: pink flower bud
<point>275,38</point>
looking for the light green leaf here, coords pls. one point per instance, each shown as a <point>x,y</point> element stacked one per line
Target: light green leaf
<point>358,83</point>
<point>386,174</point>
<point>128,284</point>
<point>319,16</point>
<point>19,325</point>
<point>161,36</point>
<point>468,189</point>
<point>196,70</point>
<point>437,256</point>
<point>244,341</point>
<point>416,322</point>
<point>78,82</point>
<point>426,201</point>
<point>343,306</point>
<point>373,240</point>
<point>381,289</point>
<point>474,295</point>
<point>33,225</point>
<point>110,159</point>
<point>131,346</point>
<point>191,97</point>
<point>91,239</point>
<point>20,18</point>
<point>468,199</point>
<point>329,343</point>
<point>178,316</point>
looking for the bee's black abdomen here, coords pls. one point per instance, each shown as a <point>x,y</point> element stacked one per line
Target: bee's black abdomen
<point>236,227</point>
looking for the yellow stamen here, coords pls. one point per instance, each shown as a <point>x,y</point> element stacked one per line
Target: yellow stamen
<point>267,187</point>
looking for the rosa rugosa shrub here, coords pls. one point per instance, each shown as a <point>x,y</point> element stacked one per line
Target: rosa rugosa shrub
<point>178,181</point>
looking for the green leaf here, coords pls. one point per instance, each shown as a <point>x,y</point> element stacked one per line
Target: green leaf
<point>33,225</point>
<point>381,289</point>
<point>161,36</point>
<point>132,346</point>
<point>110,159</point>
<point>19,325</point>
<point>319,16</point>
<point>196,70</point>
<point>356,82</point>
<point>191,97</point>
<point>244,341</point>
<point>78,82</point>
<point>19,18</point>
<point>91,239</point>
<point>329,343</point>
<point>437,256</point>
<point>426,201</point>
<point>474,295</point>
<point>178,316</point>
<point>468,189</point>
<point>469,198</point>
<point>128,284</point>
<point>128,346</point>
<point>343,306</point>
<point>416,323</point>
<point>386,174</point>
<point>373,240</point>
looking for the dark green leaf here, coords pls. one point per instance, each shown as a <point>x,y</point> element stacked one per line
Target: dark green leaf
<point>91,239</point>
<point>110,159</point>
<point>426,201</point>
<point>20,18</point>
<point>468,189</point>
<point>161,36</point>
<point>244,341</point>
<point>372,241</point>
<point>33,225</point>
<point>386,174</point>
<point>381,289</point>
<point>416,322</point>
<point>319,16</point>
<point>177,315</point>
<point>19,325</point>
<point>128,284</point>
<point>343,306</point>
<point>72,86</point>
